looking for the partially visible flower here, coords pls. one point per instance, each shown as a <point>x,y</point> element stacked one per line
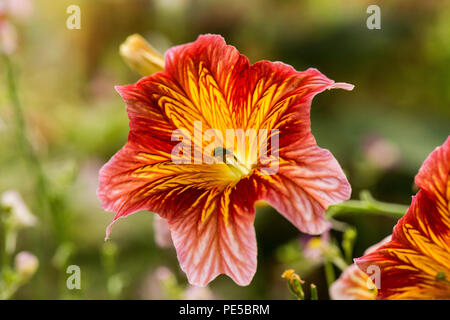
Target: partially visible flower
<point>314,248</point>
<point>210,207</point>
<point>21,215</point>
<point>415,264</point>
<point>19,9</point>
<point>10,10</point>
<point>353,284</point>
<point>162,232</point>
<point>26,264</point>
<point>8,37</point>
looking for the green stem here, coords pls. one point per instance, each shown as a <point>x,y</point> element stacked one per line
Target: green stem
<point>340,263</point>
<point>44,200</point>
<point>367,205</point>
<point>42,190</point>
<point>4,227</point>
<point>314,295</point>
<point>9,291</point>
<point>21,130</point>
<point>329,273</point>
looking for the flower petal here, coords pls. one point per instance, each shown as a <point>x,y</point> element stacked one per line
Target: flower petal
<point>207,71</point>
<point>134,180</point>
<point>353,284</point>
<point>404,273</point>
<point>412,261</point>
<point>279,97</point>
<point>305,185</point>
<point>416,263</point>
<point>309,179</point>
<point>162,232</point>
<point>224,243</point>
<point>212,227</point>
<point>434,178</point>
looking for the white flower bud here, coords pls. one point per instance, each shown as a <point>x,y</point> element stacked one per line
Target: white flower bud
<point>26,264</point>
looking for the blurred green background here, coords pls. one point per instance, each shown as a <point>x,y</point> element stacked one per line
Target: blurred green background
<point>380,132</point>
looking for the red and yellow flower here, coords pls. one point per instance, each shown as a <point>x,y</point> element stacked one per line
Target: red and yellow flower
<point>210,207</point>
<point>353,284</point>
<point>415,264</point>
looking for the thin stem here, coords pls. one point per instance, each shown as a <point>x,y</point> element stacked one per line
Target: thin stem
<point>21,130</point>
<point>9,291</point>
<point>329,273</point>
<point>340,263</point>
<point>4,227</point>
<point>314,295</point>
<point>367,205</point>
<point>44,198</point>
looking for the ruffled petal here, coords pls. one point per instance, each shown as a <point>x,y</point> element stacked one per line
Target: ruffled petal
<point>134,180</point>
<point>211,225</point>
<point>222,243</point>
<point>275,96</point>
<point>308,179</point>
<point>433,176</point>
<point>434,179</point>
<point>404,273</point>
<point>353,284</point>
<point>305,185</point>
<point>208,71</point>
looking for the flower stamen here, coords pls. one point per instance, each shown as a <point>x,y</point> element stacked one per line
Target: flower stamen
<point>237,167</point>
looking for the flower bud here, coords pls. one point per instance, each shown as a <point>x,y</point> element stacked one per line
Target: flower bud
<point>21,215</point>
<point>141,56</point>
<point>294,283</point>
<point>26,264</point>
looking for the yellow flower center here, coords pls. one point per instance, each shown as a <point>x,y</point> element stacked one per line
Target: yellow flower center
<point>238,168</point>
